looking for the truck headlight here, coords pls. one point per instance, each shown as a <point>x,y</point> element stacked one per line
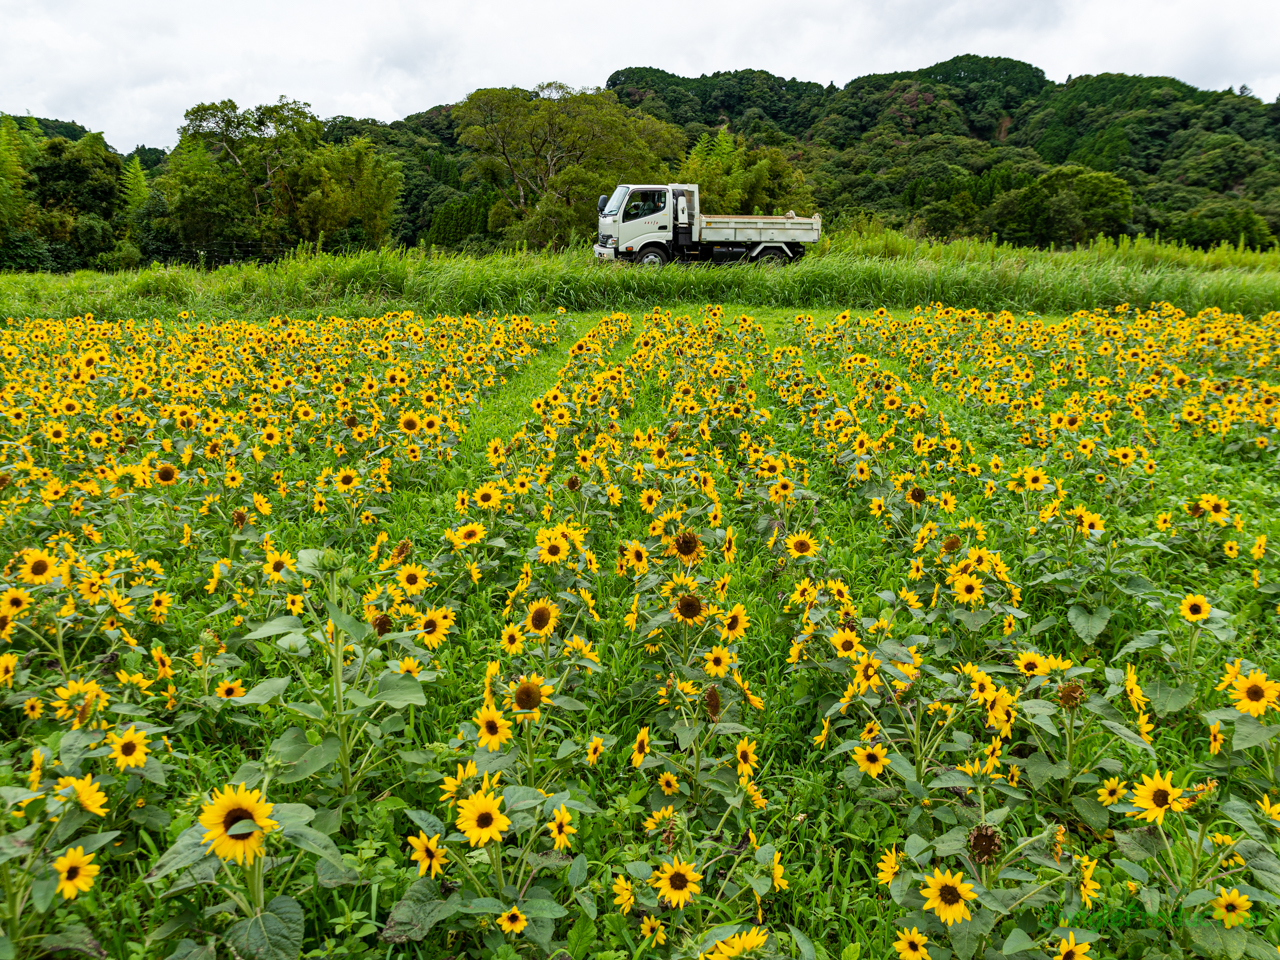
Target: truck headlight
<point>611,242</point>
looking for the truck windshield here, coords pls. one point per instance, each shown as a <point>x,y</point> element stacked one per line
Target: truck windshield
<point>614,204</point>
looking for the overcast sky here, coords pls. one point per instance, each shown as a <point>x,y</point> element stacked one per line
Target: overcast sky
<point>131,69</point>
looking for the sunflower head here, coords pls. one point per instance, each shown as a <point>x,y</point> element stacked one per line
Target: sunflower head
<point>236,822</point>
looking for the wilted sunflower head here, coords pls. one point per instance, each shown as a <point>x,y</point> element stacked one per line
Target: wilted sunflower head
<point>984,843</point>
<point>1071,695</point>
<point>711,700</point>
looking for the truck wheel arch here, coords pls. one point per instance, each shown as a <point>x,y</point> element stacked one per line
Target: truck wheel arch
<point>653,254</point>
<point>771,251</point>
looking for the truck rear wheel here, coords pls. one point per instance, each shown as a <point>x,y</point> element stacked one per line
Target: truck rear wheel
<point>772,257</point>
<point>652,257</point>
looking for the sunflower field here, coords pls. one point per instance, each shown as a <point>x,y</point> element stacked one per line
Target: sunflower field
<point>924,633</point>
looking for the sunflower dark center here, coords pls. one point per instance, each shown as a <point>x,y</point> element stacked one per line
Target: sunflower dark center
<point>40,567</point>
<point>491,727</point>
<point>1160,798</point>
<point>484,820</point>
<point>678,881</point>
<point>234,816</point>
<point>528,696</point>
<point>1255,693</point>
<point>687,544</point>
<point>802,546</point>
<point>73,871</point>
<point>128,748</point>
<point>690,607</point>
<point>540,618</point>
<point>949,894</point>
<point>732,623</point>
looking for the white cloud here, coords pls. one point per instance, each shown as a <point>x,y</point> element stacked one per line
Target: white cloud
<point>131,70</point>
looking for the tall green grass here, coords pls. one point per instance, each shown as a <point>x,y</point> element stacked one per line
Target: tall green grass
<point>856,269</point>
<point>870,238</point>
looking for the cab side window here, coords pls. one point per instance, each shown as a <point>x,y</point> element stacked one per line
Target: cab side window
<point>644,203</point>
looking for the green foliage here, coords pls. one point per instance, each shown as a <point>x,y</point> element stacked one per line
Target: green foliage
<point>906,145</point>
<point>134,185</point>
<point>954,150</point>
<point>461,218</point>
<point>736,180</point>
<point>1064,206</point>
<point>551,151</point>
<point>1222,221</point>
<point>345,187</point>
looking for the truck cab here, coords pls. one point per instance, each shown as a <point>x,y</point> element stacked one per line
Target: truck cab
<point>637,220</point>
<point>655,223</point>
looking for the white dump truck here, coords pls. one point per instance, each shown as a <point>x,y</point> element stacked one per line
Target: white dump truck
<point>656,223</point>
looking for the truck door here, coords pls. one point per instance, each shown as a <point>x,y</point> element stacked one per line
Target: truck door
<point>646,218</point>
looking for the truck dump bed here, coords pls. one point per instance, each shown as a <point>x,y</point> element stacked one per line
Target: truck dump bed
<point>758,229</point>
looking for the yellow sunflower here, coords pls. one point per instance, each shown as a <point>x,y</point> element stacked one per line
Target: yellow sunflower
<point>76,871</point>
<point>236,822</point>
<point>481,819</point>
<point>542,617</point>
<point>512,921</point>
<point>129,749</point>
<point>1156,796</point>
<point>871,760</point>
<point>493,729</point>
<point>427,853</point>
<point>801,544</point>
<point>561,831</point>
<point>677,882</point>
<point>527,696</point>
<point>1194,607</point>
<point>946,895</point>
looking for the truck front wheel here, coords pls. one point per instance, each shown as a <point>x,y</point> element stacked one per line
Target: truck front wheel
<point>652,257</point>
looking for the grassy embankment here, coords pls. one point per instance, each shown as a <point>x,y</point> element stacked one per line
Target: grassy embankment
<point>855,269</point>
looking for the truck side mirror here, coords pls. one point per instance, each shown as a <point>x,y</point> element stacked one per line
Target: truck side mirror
<point>603,200</point>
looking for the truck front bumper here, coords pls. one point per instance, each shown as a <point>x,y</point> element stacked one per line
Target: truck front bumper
<point>605,253</point>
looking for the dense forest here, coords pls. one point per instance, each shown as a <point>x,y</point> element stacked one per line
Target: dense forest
<point>974,146</point>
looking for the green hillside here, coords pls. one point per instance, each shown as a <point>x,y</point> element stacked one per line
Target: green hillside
<point>970,147</point>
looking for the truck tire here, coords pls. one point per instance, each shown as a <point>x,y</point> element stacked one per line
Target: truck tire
<point>652,257</point>
<point>772,257</point>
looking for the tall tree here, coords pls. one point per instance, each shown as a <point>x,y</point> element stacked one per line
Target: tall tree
<point>551,151</point>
